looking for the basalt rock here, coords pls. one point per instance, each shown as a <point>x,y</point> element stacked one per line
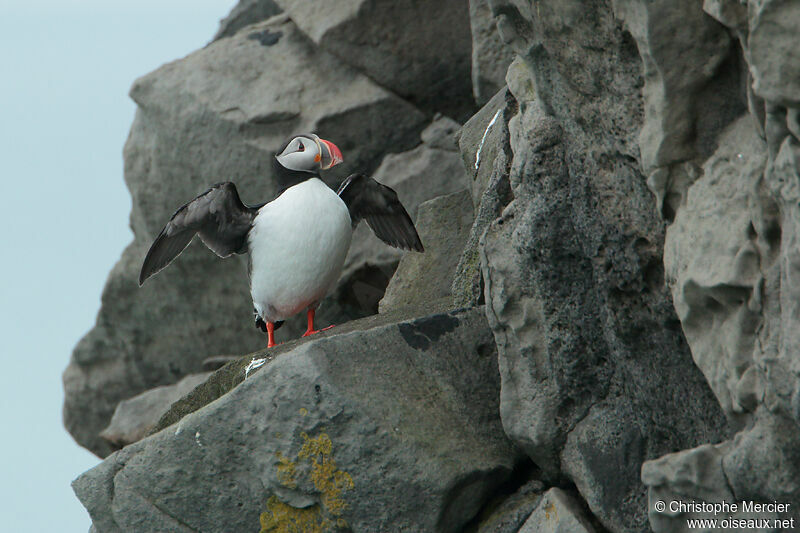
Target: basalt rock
<point>589,345</point>
<point>418,49</point>
<point>731,261</point>
<point>557,512</point>
<point>443,225</point>
<point>485,148</point>
<point>244,13</point>
<point>393,425</point>
<point>430,170</point>
<point>135,417</point>
<point>634,184</point>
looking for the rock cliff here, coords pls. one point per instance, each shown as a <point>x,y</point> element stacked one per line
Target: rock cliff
<point>606,316</point>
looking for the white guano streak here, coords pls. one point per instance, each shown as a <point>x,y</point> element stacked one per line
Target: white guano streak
<point>254,363</point>
<point>483,139</point>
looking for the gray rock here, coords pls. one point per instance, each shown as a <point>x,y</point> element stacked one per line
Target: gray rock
<point>417,49</point>
<point>236,371</point>
<point>218,114</point>
<point>133,418</point>
<point>694,476</point>
<point>443,225</point>
<point>468,286</point>
<point>490,55</point>
<point>441,134</point>
<point>557,512</point>
<point>730,13</point>
<point>430,170</point>
<point>774,57</point>
<point>711,260</point>
<point>244,13</point>
<point>215,362</point>
<point>692,90</point>
<point>395,425</point>
<point>486,152</point>
<point>511,513</point>
<point>483,138</point>
<point>763,463</point>
<point>732,264</point>
<point>589,345</point>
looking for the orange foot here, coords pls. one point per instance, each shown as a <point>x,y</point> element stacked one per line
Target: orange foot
<point>310,329</point>
<point>311,332</point>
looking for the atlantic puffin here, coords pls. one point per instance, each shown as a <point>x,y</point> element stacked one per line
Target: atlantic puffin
<point>297,243</point>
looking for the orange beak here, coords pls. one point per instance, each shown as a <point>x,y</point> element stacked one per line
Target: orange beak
<point>331,155</point>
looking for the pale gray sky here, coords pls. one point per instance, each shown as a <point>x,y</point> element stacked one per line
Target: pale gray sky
<point>65,70</point>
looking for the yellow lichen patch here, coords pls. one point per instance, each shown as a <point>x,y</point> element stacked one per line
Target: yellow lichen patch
<point>283,518</point>
<point>318,446</point>
<point>316,459</point>
<point>329,481</point>
<point>287,471</point>
<point>303,411</point>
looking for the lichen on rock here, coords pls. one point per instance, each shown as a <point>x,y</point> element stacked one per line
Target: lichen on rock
<point>316,463</point>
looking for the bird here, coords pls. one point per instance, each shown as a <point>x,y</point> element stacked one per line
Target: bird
<point>297,243</point>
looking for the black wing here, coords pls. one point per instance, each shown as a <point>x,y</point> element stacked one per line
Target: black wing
<point>378,204</point>
<point>217,215</point>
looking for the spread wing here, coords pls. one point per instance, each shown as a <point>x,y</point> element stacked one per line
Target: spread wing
<point>217,215</point>
<point>378,204</point>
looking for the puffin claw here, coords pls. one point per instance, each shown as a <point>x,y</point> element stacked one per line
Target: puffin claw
<point>311,332</point>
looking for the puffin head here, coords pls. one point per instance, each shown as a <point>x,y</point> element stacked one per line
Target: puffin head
<point>308,153</point>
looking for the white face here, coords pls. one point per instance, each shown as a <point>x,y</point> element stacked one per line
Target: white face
<point>302,153</point>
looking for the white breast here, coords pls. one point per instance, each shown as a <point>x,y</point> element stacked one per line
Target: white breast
<point>298,244</point>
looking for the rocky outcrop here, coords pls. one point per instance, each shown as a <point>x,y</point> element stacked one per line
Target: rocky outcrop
<point>511,511</point>
<point>135,417</point>
<point>713,266</point>
<point>430,170</point>
<point>305,438</point>
<point>484,144</point>
<point>574,284</point>
<point>692,89</point>
<point>731,262</point>
<point>557,512</point>
<point>419,50</point>
<point>246,12</point>
<point>633,176</point>
<point>443,225</point>
<point>490,56</point>
<point>218,114</point>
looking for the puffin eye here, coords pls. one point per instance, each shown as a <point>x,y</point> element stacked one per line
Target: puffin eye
<point>301,147</point>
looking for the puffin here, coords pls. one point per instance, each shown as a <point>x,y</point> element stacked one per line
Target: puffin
<point>296,243</point>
